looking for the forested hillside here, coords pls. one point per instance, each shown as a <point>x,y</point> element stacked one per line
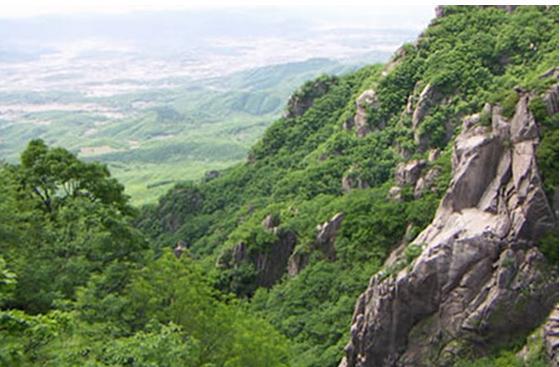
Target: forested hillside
<point>152,135</point>
<point>261,264</point>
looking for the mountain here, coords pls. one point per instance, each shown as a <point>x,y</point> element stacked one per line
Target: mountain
<point>163,96</point>
<point>436,174</point>
<point>403,214</point>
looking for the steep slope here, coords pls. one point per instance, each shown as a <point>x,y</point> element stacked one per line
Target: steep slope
<point>480,279</point>
<point>341,188</point>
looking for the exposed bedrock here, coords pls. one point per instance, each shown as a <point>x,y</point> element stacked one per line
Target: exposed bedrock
<point>480,279</point>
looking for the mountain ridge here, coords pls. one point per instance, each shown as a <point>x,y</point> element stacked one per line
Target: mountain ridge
<point>318,163</point>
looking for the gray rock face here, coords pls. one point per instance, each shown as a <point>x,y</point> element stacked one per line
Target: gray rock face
<point>523,125</point>
<point>433,154</point>
<point>408,173</point>
<point>324,242</point>
<point>428,97</point>
<point>550,336</point>
<point>480,279</point>
<point>426,182</point>
<point>366,100</point>
<point>326,235</point>
<point>180,248</point>
<point>296,263</point>
<point>271,265</point>
<point>550,73</point>
<point>281,256</point>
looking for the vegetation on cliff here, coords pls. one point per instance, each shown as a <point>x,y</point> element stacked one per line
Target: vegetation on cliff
<point>81,285</point>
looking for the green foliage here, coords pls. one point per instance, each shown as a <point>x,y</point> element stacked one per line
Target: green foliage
<point>485,118</point>
<point>296,170</point>
<point>549,247</point>
<point>411,252</point>
<point>55,175</point>
<point>505,359</point>
<point>7,281</point>
<point>91,291</point>
<point>169,290</point>
<point>83,274</point>
<point>508,104</point>
<point>538,109</point>
<point>547,158</point>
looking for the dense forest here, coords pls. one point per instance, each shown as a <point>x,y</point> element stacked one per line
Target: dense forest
<point>261,264</point>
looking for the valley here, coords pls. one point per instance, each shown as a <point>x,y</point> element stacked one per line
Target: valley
<point>165,107</point>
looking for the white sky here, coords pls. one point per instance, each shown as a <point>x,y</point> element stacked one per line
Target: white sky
<point>30,8</point>
<point>27,8</point>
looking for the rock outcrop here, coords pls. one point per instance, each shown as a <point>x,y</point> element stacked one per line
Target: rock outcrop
<point>324,242</point>
<point>408,173</point>
<point>281,256</point>
<point>326,235</point>
<point>480,279</point>
<point>428,98</point>
<point>297,262</point>
<point>269,265</point>
<point>366,101</point>
<point>180,248</point>
<point>271,222</point>
<point>395,193</point>
<point>303,99</point>
<point>412,173</point>
<point>426,182</point>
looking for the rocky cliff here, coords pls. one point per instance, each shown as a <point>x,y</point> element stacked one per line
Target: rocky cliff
<point>480,279</point>
<point>444,166</point>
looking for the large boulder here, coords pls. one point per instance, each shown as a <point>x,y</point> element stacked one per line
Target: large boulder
<point>480,279</point>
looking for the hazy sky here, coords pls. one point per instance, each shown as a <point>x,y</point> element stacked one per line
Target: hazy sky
<point>27,8</point>
<point>31,8</point>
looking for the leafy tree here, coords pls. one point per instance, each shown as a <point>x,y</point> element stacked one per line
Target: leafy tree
<point>54,175</point>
